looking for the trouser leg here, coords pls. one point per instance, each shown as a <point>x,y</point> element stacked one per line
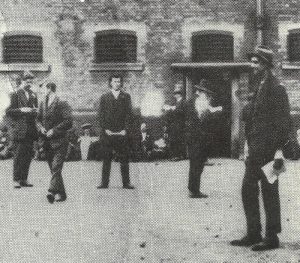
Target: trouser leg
<point>56,183</point>
<point>122,149</point>
<point>250,193</point>
<point>198,158</point>
<point>271,200</point>
<point>22,160</point>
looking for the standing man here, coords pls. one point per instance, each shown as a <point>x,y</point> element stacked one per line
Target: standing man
<point>199,134</point>
<point>22,111</point>
<point>53,120</point>
<point>176,121</point>
<point>268,122</point>
<point>115,113</point>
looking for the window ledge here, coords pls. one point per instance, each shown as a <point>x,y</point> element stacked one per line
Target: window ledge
<point>37,67</point>
<point>117,67</point>
<point>288,65</point>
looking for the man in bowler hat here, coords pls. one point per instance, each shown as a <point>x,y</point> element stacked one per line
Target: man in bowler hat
<point>115,113</point>
<point>267,118</point>
<point>23,110</point>
<point>199,134</point>
<point>53,120</point>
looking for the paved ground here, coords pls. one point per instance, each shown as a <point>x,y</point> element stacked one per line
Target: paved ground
<point>157,222</point>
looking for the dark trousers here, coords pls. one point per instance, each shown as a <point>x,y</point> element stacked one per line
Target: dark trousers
<point>198,154</point>
<point>120,146</point>
<point>270,194</point>
<point>22,159</point>
<point>55,158</point>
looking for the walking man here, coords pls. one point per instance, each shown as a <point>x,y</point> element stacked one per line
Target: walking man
<point>22,110</point>
<point>115,113</point>
<point>53,120</point>
<point>200,134</point>
<point>267,119</point>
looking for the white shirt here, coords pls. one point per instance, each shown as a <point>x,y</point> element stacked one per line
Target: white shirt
<point>115,93</point>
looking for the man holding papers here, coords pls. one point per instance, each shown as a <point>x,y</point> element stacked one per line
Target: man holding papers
<point>267,119</point>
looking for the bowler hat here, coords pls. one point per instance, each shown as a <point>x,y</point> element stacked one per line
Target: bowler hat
<point>27,75</point>
<point>202,86</point>
<point>264,53</point>
<point>86,126</point>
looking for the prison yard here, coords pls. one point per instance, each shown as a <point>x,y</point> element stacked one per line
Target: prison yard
<point>156,222</point>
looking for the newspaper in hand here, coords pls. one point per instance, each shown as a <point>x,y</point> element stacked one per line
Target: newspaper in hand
<point>271,173</point>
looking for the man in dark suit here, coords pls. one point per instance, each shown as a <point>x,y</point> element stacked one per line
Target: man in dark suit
<point>200,119</point>
<point>115,113</point>
<point>268,123</point>
<point>53,120</point>
<point>22,111</point>
<point>176,124</point>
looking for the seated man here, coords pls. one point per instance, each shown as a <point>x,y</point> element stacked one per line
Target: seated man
<point>5,144</point>
<point>146,142</point>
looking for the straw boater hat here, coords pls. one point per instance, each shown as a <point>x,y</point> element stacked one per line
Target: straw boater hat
<point>202,86</point>
<point>86,126</point>
<point>263,53</point>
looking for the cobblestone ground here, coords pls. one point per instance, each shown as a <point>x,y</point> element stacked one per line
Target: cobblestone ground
<point>156,222</point>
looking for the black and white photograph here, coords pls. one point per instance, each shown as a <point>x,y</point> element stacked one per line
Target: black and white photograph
<point>158,131</point>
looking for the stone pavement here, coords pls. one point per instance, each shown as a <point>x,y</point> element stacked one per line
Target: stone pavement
<point>156,222</point>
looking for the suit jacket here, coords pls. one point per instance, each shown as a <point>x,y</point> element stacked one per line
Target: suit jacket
<point>23,124</point>
<point>199,129</point>
<point>58,117</point>
<point>267,119</point>
<point>115,114</point>
<point>176,121</point>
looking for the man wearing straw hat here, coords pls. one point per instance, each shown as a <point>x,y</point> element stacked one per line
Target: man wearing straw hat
<point>267,118</point>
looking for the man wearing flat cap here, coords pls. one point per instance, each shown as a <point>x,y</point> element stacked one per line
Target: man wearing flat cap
<point>22,111</point>
<point>267,118</point>
<point>199,134</point>
<point>176,124</point>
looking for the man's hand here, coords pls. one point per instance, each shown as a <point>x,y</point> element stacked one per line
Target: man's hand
<point>49,133</point>
<point>109,132</point>
<point>122,133</point>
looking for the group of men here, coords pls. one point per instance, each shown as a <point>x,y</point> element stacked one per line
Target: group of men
<point>267,119</point>
<point>48,120</point>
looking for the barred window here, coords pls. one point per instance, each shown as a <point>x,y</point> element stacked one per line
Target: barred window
<point>212,46</point>
<point>293,45</point>
<point>22,47</point>
<point>115,46</point>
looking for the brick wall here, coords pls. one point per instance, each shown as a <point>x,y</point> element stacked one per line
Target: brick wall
<point>68,29</point>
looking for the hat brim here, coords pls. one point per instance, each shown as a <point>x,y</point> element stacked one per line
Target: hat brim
<point>207,91</point>
<point>259,56</point>
<point>87,126</point>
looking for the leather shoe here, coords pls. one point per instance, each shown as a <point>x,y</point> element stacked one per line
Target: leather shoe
<point>101,186</point>
<point>267,244</point>
<point>25,184</point>
<point>50,198</point>
<point>247,241</point>
<point>198,195</point>
<point>62,197</point>
<point>17,185</point>
<point>128,186</point>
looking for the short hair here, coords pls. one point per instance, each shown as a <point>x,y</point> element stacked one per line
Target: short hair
<point>115,76</point>
<point>51,86</point>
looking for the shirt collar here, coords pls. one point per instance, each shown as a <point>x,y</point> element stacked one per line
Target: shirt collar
<point>116,93</point>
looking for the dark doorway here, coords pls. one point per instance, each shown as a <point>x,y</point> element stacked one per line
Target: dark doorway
<point>222,89</point>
